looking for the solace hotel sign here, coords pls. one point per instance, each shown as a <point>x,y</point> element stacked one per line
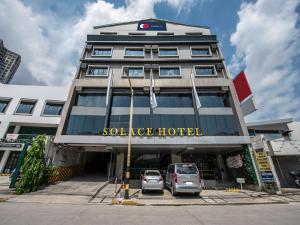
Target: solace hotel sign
<point>148,132</point>
<point>152,25</point>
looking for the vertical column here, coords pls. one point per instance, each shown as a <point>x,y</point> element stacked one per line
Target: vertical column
<point>119,164</point>
<point>4,160</point>
<point>222,167</point>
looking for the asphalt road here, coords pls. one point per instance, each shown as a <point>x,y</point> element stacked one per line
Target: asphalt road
<point>52,214</point>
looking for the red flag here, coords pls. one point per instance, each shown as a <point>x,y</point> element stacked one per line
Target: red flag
<point>242,86</point>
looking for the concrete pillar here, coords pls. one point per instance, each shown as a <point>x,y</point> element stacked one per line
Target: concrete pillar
<point>3,128</point>
<point>17,129</point>
<point>275,175</point>
<point>119,164</point>
<point>176,158</point>
<point>4,160</point>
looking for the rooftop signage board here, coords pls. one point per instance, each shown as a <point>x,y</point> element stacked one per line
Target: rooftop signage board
<point>152,25</point>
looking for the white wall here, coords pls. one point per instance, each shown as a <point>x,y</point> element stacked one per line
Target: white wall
<point>295,127</point>
<point>39,93</point>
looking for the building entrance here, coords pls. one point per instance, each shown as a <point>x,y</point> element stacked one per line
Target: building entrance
<point>98,163</point>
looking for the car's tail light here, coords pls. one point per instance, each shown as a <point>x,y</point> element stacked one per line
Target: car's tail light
<point>175,177</point>
<point>145,179</point>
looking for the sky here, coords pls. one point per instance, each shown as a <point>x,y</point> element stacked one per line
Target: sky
<point>260,37</point>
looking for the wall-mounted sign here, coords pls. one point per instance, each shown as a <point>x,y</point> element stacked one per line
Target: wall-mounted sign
<point>267,176</point>
<point>263,165</point>
<point>4,145</point>
<point>152,132</point>
<point>151,25</point>
<point>12,137</point>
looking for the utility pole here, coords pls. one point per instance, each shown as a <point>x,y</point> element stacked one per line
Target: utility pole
<point>127,175</point>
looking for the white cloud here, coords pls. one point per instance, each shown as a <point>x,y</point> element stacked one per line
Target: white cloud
<point>50,48</point>
<point>267,40</point>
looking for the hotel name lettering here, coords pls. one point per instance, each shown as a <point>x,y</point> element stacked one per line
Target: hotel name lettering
<point>162,132</point>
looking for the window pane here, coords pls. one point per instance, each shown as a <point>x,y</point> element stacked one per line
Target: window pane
<point>218,125</point>
<point>214,100</point>
<point>102,52</point>
<point>25,107</point>
<point>91,100</point>
<point>53,109</point>
<point>174,100</point>
<point>122,121</point>
<point>124,101</point>
<point>200,51</point>
<point>134,52</point>
<point>173,121</point>
<point>85,125</point>
<point>170,71</point>
<point>136,71</point>
<point>98,71</point>
<point>3,105</point>
<point>168,52</point>
<point>209,70</point>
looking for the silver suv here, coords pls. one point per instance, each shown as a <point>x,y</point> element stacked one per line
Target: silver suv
<point>183,178</point>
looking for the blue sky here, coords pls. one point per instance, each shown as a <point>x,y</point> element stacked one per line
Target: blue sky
<point>254,36</point>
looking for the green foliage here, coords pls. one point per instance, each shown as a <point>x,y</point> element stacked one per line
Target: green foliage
<point>33,171</point>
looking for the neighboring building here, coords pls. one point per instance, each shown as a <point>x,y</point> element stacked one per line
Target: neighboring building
<point>281,140</point>
<point>96,114</point>
<point>26,111</point>
<point>9,63</point>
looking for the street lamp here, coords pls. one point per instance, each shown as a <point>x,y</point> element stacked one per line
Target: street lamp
<point>127,174</point>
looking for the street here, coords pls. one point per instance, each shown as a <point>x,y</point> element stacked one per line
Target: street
<point>37,213</point>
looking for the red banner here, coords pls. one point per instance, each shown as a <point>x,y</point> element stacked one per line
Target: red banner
<point>242,86</point>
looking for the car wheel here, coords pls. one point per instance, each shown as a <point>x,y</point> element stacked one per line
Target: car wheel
<point>174,193</point>
<point>143,191</point>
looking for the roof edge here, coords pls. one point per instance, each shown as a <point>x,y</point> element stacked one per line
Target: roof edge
<point>270,122</point>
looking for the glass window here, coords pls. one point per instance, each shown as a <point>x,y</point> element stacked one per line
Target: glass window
<point>204,70</point>
<point>25,107</point>
<point>91,99</point>
<point>122,121</point>
<point>11,161</point>
<point>85,125</point>
<point>98,71</point>
<point>174,100</point>
<point>218,125</point>
<point>54,109</point>
<point>169,71</point>
<point>173,121</point>
<point>214,100</point>
<point>200,51</point>
<point>102,52</point>
<point>168,52</point>
<point>3,105</point>
<point>135,52</point>
<point>134,71</point>
<point>124,101</point>
<point>186,169</point>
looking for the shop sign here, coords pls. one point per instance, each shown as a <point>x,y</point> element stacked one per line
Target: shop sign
<point>152,25</point>
<point>262,160</point>
<point>10,145</point>
<point>240,180</point>
<point>267,176</point>
<point>12,137</point>
<point>148,132</point>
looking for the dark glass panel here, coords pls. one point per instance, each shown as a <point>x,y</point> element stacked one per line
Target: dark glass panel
<point>168,52</point>
<point>122,121</point>
<point>173,121</point>
<point>172,71</point>
<point>3,105</point>
<point>102,52</point>
<point>53,109</point>
<point>124,101</point>
<point>91,100</point>
<point>209,70</point>
<point>214,100</point>
<point>85,125</point>
<point>200,51</point>
<point>25,107</point>
<point>174,100</point>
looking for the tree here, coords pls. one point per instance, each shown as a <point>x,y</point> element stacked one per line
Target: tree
<point>33,170</point>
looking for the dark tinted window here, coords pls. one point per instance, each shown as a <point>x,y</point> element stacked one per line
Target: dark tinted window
<point>25,107</point>
<point>91,100</point>
<point>85,125</point>
<point>174,100</point>
<point>134,52</point>
<point>186,169</point>
<point>102,52</point>
<point>169,72</point>
<point>98,71</point>
<point>173,121</point>
<point>152,173</point>
<point>214,100</point>
<point>218,125</point>
<point>204,70</point>
<point>200,51</point>
<point>124,101</point>
<point>138,121</point>
<point>53,109</point>
<point>3,105</point>
<point>168,52</point>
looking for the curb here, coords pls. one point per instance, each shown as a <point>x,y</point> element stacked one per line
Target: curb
<point>97,192</point>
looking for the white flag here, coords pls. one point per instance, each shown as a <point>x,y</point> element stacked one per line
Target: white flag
<point>153,102</point>
<point>197,100</point>
<point>109,84</point>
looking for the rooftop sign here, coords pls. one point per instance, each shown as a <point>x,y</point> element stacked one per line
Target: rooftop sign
<point>152,25</point>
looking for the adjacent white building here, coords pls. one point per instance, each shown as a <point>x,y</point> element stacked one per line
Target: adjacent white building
<point>26,111</point>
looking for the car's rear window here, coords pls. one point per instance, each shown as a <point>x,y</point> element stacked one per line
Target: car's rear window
<point>152,173</point>
<point>186,169</point>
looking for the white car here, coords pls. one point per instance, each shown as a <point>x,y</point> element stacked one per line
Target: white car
<point>152,180</point>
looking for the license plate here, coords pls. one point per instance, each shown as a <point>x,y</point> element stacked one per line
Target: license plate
<point>152,181</point>
<point>189,183</point>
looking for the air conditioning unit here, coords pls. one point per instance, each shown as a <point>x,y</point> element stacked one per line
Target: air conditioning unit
<point>155,48</point>
<point>214,47</point>
<point>225,88</point>
<point>83,66</point>
<point>146,89</point>
<point>147,48</point>
<point>89,47</point>
<point>219,66</point>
